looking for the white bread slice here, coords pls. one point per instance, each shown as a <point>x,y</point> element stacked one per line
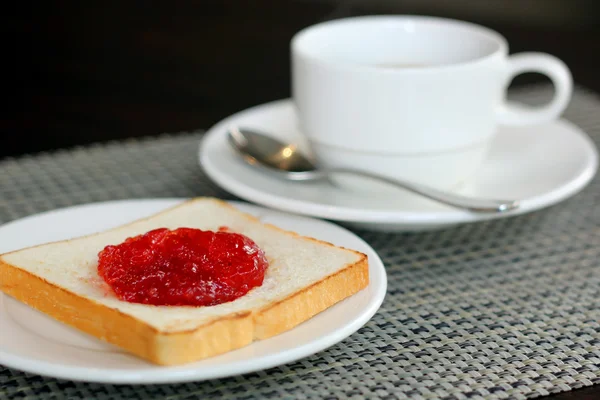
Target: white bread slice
<point>305,277</point>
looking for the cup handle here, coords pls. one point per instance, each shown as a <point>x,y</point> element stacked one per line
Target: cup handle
<point>553,68</point>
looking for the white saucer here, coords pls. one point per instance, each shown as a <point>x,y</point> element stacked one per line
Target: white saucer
<point>33,342</point>
<point>540,165</point>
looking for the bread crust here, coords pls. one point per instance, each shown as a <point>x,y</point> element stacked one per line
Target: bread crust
<point>220,335</point>
<point>301,306</point>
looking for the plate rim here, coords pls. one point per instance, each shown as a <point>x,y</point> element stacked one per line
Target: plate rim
<point>186,373</point>
<point>384,217</point>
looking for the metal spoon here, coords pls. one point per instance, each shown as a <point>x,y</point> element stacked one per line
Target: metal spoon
<point>287,162</point>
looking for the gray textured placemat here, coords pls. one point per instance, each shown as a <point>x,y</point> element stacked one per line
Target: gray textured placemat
<point>494,310</point>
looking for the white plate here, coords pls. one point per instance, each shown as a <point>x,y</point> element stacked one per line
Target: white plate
<point>540,165</point>
<point>33,342</point>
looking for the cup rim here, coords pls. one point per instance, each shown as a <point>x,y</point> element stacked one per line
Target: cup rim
<point>296,41</point>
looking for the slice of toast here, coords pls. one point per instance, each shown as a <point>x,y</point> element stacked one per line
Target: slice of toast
<point>305,277</point>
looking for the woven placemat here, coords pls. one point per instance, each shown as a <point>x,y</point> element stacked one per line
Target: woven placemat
<point>493,310</point>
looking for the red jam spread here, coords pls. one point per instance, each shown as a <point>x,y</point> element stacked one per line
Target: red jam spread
<point>183,267</point>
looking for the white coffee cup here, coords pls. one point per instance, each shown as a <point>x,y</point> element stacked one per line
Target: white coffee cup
<point>411,97</point>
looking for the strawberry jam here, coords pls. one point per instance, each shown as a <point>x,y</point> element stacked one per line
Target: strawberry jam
<point>183,267</point>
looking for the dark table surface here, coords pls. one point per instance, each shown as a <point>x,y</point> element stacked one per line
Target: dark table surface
<point>497,309</point>
<point>95,71</point>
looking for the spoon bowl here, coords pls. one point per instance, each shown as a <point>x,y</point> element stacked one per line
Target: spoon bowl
<point>274,157</point>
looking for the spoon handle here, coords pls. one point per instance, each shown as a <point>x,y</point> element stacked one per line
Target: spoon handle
<point>451,199</point>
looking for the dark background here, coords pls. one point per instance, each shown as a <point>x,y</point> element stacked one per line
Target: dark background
<point>86,71</point>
